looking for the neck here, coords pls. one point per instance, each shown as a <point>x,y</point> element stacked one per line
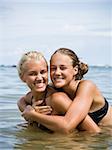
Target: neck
<point>71,89</point>
<point>39,95</point>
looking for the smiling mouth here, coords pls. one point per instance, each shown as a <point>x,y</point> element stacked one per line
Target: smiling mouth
<point>39,83</point>
<point>58,78</point>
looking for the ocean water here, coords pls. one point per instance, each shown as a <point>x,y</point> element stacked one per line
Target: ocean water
<point>13,135</point>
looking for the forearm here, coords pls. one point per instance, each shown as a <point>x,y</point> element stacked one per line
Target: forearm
<point>89,125</point>
<point>52,122</point>
<point>64,124</point>
<point>60,124</point>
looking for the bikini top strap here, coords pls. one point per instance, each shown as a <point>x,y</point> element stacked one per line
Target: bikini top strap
<point>31,97</point>
<point>77,88</point>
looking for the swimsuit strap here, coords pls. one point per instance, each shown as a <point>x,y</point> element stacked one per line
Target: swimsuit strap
<point>30,98</point>
<point>77,88</point>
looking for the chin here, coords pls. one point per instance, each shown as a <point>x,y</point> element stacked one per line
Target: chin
<point>58,85</point>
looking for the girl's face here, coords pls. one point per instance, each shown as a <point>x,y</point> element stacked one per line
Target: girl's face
<point>61,70</point>
<point>36,75</point>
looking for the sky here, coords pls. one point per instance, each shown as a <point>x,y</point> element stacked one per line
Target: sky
<point>45,25</point>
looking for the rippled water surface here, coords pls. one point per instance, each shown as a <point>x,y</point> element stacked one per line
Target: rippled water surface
<point>15,135</point>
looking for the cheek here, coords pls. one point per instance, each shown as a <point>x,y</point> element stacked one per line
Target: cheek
<point>30,79</point>
<point>46,77</point>
<point>29,82</point>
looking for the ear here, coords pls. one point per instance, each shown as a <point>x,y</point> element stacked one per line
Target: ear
<point>75,70</point>
<point>22,76</point>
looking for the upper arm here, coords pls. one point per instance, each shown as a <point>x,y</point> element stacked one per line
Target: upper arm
<point>60,102</point>
<point>23,102</point>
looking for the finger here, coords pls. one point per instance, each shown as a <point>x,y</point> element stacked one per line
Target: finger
<point>38,108</point>
<point>44,107</point>
<point>46,113</point>
<point>45,110</point>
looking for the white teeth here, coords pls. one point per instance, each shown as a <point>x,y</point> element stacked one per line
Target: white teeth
<point>37,82</point>
<point>58,78</point>
<point>39,85</point>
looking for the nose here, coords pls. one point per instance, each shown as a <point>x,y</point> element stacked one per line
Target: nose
<point>57,71</point>
<point>39,77</point>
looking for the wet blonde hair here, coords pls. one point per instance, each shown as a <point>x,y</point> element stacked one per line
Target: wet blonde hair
<point>32,55</point>
<point>82,67</point>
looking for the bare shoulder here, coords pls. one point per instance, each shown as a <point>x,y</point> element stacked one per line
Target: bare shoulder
<point>26,98</point>
<point>60,102</point>
<point>86,88</point>
<point>22,99</point>
<point>59,98</point>
<point>87,83</point>
<point>59,95</point>
<point>23,102</point>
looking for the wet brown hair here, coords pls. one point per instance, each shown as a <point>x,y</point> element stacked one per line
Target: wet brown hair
<point>82,67</point>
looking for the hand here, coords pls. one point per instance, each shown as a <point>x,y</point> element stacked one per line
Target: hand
<point>27,113</point>
<point>43,109</point>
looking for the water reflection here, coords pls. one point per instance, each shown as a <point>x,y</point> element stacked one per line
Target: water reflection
<point>32,138</point>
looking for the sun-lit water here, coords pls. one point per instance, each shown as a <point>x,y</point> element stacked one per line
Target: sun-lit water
<point>15,136</point>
